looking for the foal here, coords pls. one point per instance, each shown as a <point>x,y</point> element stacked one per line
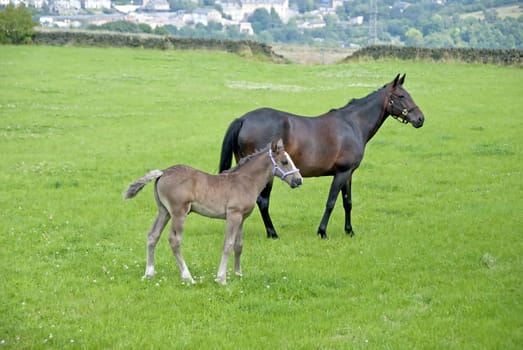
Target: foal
<point>180,190</point>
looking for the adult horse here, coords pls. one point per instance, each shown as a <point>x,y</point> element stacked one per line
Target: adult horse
<point>180,190</point>
<point>331,144</point>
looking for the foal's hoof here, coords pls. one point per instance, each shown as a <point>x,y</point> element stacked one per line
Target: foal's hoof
<point>220,281</point>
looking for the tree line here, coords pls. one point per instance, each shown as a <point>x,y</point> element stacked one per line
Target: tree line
<point>422,24</point>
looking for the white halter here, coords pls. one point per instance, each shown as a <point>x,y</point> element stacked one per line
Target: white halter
<point>284,174</point>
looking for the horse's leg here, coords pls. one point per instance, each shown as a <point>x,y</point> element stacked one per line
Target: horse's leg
<point>234,222</point>
<point>347,205</point>
<point>238,247</point>
<point>337,182</point>
<point>263,205</point>
<point>152,239</point>
<point>175,239</point>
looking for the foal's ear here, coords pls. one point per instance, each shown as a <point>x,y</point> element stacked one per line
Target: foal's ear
<point>277,146</point>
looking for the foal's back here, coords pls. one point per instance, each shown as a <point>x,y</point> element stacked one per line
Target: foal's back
<point>183,189</point>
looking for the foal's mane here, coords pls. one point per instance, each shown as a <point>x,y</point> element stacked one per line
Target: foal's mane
<point>246,159</point>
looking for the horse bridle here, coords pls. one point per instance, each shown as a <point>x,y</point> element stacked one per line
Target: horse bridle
<point>404,112</point>
<point>276,168</point>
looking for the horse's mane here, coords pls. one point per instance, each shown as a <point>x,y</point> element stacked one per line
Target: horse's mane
<point>355,101</point>
<point>246,159</point>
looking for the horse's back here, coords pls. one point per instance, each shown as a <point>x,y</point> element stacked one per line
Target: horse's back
<point>262,126</point>
<point>264,121</point>
<point>317,145</point>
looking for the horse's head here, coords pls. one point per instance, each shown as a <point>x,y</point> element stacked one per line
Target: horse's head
<point>284,167</point>
<point>401,106</point>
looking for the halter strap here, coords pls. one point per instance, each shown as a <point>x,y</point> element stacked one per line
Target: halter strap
<point>276,168</point>
<point>404,112</point>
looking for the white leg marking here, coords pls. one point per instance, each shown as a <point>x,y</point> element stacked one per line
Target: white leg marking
<point>149,272</point>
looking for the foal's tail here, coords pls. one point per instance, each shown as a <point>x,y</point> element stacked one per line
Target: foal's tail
<point>230,144</point>
<point>137,186</point>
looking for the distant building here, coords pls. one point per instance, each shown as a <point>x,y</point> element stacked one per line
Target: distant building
<point>240,10</point>
<point>65,7</point>
<point>156,5</point>
<point>97,4</point>
<point>246,27</point>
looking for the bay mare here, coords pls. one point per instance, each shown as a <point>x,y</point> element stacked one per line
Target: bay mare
<point>180,190</point>
<point>331,144</point>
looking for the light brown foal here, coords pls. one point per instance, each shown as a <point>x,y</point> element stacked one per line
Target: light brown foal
<point>180,190</point>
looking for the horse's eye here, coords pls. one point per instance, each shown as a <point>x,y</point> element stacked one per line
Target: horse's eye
<point>284,162</point>
<point>401,96</point>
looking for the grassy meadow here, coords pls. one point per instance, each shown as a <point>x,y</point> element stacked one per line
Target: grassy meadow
<point>436,263</point>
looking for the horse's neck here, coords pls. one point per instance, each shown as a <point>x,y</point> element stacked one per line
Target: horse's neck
<point>369,115</point>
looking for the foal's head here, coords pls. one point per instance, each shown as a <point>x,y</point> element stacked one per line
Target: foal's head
<point>284,167</point>
<point>401,106</point>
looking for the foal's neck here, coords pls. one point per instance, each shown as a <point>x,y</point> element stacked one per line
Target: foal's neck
<point>259,169</point>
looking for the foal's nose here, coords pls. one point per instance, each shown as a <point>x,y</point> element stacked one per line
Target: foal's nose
<point>296,182</point>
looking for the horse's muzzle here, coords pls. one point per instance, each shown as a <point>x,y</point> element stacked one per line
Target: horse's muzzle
<point>297,182</point>
<point>418,121</point>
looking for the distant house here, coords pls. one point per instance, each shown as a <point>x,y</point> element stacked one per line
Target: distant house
<point>240,10</point>
<point>65,7</point>
<point>401,5</point>
<point>314,23</point>
<point>202,16</point>
<point>97,4</point>
<point>246,27</point>
<point>156,5</point>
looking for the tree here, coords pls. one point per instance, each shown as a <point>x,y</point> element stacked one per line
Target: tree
<point>260,20</point>
<point>414,37</point>
<point>16,25</point>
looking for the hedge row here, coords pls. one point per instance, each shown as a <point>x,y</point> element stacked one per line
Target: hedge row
<point>503,57</point>
<point>250,47</point>
<point>148,41</point>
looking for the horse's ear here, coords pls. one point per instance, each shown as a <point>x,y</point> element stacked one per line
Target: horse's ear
<point>395,82</point>
<point>402,79</point>
<point>277,146</point>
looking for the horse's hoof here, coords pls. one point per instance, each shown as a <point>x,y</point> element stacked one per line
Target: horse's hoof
<point>272,235</point>
<point>323,235</point>
<point>350,233</point>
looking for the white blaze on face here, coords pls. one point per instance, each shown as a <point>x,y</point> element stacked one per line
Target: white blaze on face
<point>289,159</point>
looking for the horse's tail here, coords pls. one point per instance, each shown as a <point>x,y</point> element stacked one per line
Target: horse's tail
<point>137,186</point>
<point>230,144</point>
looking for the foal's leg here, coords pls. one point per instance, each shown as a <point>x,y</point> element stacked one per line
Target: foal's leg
<point>234,222</point>
<point>347,205</point>
<point>152,239</point>
<point>238,247</point>
<point>263,204</point>
<point>337,182</point>
<point>175,239</point>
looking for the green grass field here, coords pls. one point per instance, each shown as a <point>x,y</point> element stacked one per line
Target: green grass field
<point>436,262</point>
